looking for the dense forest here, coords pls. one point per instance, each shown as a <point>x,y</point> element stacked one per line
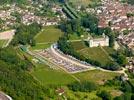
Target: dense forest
<point>14,78</point>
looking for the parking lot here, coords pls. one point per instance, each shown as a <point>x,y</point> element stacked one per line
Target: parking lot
<point>64,64</point>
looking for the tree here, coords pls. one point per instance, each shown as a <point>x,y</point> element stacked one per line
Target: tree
<point>84,86</point>
<point>91,22</point>
<point>112,66</point>
<point>111,39</point>
<point>104,95</point>
<point>126,87</point>
<point>121,60</point>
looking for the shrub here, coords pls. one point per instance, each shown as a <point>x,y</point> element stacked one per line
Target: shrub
<point>83,86</point>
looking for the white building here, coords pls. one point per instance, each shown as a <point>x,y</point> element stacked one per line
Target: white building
<point>95,42</point>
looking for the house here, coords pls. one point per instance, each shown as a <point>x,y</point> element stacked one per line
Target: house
<point>95,42</point>
<point>128,40</point>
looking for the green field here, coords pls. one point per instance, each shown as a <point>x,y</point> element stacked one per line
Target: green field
<point>2,42</point>
<point>49,34</point>
<point>95,53</point>
<point>74,36</point>
<point>96,76</point>
<point>48,76</point>
<point>80,2</point>
<point>41,46</point>
<point>84,2</point>
<point>78,45</point>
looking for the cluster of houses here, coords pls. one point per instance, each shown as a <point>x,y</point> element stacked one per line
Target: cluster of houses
<point>115,14</point>
<point>28,16</point>
<point>127,40</point>
<point>130,65</point>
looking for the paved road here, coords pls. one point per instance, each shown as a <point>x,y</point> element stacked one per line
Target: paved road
<point>70,60</point>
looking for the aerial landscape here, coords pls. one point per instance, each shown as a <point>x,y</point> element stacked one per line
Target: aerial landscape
<point>66,49</point>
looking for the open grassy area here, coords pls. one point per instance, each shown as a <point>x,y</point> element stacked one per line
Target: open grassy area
<point>3,42</point>
<point>95,53</point>
<point>80,2</point>
<point>41,46</point>
<point>78,45</point>
<point>48,76</point>
<point>48,34</point>
<point>75,36</point>
<point>96,76</point>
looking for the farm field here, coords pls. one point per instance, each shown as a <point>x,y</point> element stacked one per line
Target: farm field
<point>47,76</point>
<point>50,34</point>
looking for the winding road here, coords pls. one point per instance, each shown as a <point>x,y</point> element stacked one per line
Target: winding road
<point>63,56</point>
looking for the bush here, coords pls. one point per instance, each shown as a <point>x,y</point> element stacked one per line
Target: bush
<point>104,95</point>
<point>83,86</point>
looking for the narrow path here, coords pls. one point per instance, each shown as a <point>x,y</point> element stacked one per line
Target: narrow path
<point>45,43</point>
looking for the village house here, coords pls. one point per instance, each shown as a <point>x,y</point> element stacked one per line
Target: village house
<point>130,65</point>
<point>127,40</point>
<point>114,14</point>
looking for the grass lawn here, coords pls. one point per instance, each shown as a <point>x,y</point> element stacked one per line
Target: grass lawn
<point>41,46</point>
<point>74,36</point>
<point>96,76</point>
<point>95,53</point>
<point>80,2</point>
<point>109,50</point>
<point>2,42</point>
<point>49,34</point>
<point>48,76</point>
<point>78,45</point>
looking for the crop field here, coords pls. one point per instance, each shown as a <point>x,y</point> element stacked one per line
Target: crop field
<point>50,34</point>
<point>47,76</point>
